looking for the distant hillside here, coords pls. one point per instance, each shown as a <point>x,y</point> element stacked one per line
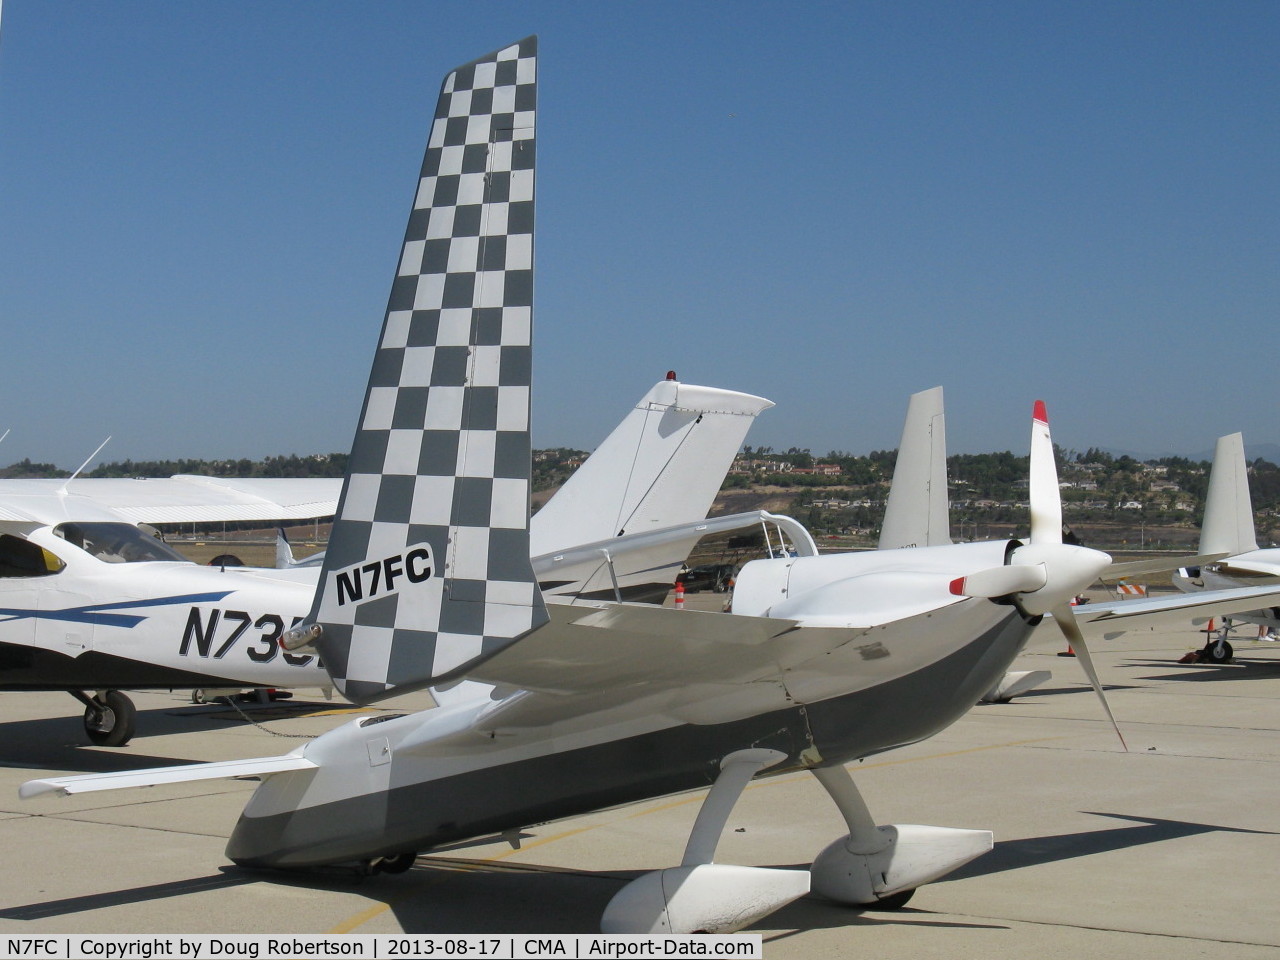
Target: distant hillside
<point>841,494</point>
<point>1252,451</point>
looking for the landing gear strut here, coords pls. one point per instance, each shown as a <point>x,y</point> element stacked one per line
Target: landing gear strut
<point>870,867</point>
<point>700,896</point>
<point>879,867</point>
<point>109,717</point>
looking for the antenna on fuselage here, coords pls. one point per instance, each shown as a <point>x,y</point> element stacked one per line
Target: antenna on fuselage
<point>63,488</point>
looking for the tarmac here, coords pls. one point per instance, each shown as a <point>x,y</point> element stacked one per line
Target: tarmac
<point>1169,850</point>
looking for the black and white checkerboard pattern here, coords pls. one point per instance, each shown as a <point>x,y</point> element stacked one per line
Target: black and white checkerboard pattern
<point>439,472</point>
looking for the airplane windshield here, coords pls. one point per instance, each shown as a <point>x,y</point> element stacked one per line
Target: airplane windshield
<point>117,542</point>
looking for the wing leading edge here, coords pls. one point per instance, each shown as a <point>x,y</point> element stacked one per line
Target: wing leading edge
<point>180,499</point>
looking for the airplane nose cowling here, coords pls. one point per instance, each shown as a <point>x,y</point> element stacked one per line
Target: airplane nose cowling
<point>1069,569</point>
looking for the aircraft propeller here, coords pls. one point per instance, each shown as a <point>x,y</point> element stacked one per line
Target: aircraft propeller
<point>1044,574</point>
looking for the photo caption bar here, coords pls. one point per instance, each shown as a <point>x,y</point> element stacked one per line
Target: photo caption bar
<point>741,946</point>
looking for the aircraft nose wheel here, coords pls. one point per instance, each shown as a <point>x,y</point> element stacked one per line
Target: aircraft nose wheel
<point>109,718</point>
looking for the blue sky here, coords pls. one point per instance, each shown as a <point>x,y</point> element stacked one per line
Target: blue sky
<point>830,204</point>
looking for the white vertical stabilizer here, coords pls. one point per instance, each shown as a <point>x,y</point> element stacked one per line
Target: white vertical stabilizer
<point>661,466</point>
<point>917,512</point>
<point>1228,510</point>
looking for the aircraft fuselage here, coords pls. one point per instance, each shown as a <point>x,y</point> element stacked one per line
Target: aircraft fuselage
<point>98,625</point>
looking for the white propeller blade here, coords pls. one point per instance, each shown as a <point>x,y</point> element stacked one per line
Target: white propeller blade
<point>1001,581</point>
<point>1066,621</point>
<point>1046,498</point>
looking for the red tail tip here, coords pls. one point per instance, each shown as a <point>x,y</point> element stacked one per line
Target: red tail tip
<point>671,375</point>
<point>957,586</point>
<point>1040,413</point>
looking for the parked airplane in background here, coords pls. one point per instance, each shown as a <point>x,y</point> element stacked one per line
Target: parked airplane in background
<point>284,554</point>
<point>624,522</point>
<point>575,704</point>
<point>1228,530</point>
<point>92,600</point>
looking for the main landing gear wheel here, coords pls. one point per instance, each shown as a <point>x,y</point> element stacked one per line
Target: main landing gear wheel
<point>1217,652</point>
<point>397,864</point>
<point>895,901</point>
<point>109,719</point>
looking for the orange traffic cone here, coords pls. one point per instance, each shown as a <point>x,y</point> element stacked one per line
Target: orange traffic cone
<point>1069,652</point>
<point>679,595</point>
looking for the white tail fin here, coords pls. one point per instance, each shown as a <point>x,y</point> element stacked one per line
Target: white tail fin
<point>1228,510</point>
<point>427,570</point>
<point>661,466</point>
<point>917,514</point>
<point>284,552</point>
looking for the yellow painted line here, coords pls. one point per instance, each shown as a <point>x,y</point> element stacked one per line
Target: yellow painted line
<point>540,843</point>
<point>346,926</point>
<point>380,908</point>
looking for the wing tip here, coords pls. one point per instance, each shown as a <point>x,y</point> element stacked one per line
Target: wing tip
<point>38,788</point>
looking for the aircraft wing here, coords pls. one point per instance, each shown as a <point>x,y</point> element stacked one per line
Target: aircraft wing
<point>88,783</point>
<point>1244,567</point>
<point>1113,617</point>
<point>1142,568</point>
<point>589,569</point>
<point>701,667</point>
<point>178,499</point>
<point>615,646</point>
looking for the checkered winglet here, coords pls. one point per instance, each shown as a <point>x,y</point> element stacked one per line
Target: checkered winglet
<point>428,571</point>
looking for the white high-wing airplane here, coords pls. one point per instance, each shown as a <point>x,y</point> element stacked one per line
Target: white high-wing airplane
<point>623,523</point>
<point>92,603</point>
<point>1228,531</point>
<point>577,704</point>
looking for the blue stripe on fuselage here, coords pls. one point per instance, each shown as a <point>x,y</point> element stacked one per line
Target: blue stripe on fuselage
<point>94,612</point>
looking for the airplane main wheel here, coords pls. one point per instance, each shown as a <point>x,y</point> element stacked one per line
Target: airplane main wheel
<point>893,902</point>
<point>397,864</point>
<point>1218,652</point>
<point>110,719</point>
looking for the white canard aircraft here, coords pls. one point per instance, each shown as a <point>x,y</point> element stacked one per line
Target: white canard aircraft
<point>574,704</point>
<point>92,603</point>
<point>1228,532</point>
